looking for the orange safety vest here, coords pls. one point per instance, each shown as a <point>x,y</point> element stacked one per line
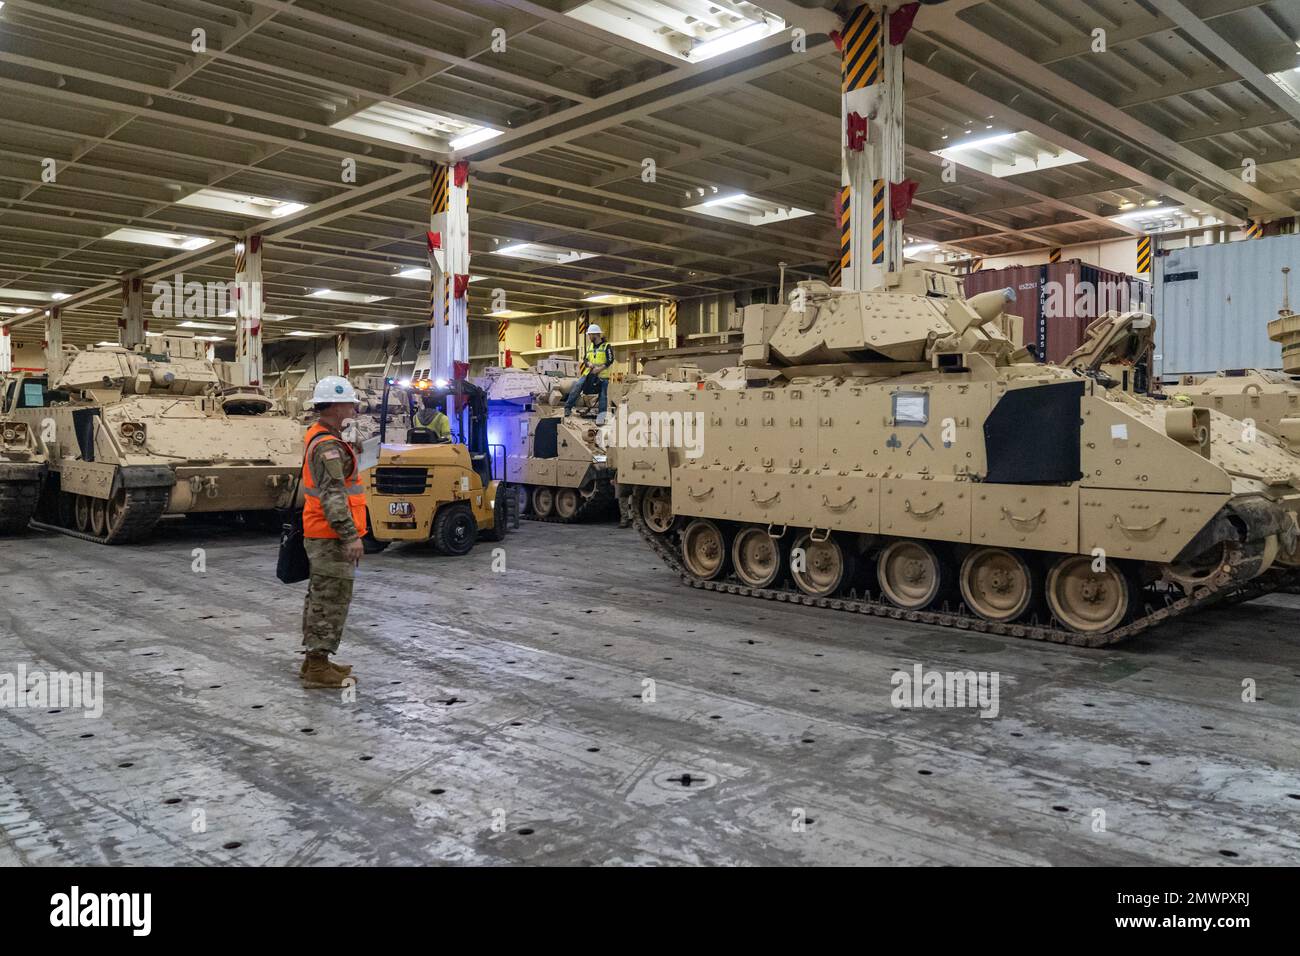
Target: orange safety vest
<point>314,524</point>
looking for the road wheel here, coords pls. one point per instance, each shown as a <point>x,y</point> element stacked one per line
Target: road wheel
<point>454,529</point>
<point>116,512</point>
<point>1088,601</point>
<point>543,502</point>
<point>825,567</point>
<point>757,557</point>
<point>657,510</point>
<point>997,584</point>
<point>566,503</point>
<point>81,514</point>
<point>911,574</point>
<point>704,549</point>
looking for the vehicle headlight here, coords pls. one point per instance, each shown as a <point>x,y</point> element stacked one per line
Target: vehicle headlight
<point>132,432</point>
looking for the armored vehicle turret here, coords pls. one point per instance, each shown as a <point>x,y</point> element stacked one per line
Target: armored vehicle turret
<point>558,462</point>
<point>23,465</point>
<point>133,435</point>
<point>892,452</point>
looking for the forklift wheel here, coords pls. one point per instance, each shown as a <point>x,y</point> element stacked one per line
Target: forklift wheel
<point>369,543</point>
<point>454,530</point>
<point>500,517</point>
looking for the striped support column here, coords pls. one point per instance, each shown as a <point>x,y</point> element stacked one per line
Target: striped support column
<point>1144,255</point>
<point>1054,255</point>
<point>448,245</point>
<point>1254,229</point>
<point>249,308</point>
<point>871,108</point>
<point>846,233</point>
<point>878,222</point>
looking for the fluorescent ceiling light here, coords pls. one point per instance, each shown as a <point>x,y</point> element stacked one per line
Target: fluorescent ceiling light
<point>356,298</point>
<point>57,296</point>
<point>148,237</point>
<point>981,142</point>
<point>481,135</point>
<point>718,201</point>
<point>24,294</point>
<point>205,325</point>
<point>412,127</point>
<point>209,338</point>
<point>306,335</point>
<point>1009,154</point>
<point>508,314</point>
<point>540,252</point>
<point>101,345</point>
<point>266,316</point>
<point>611,298</point>
<point>736,39</point>
<point>422,273</point>
<point>369,326</point>
<point>750,210</point>
<point>691,30</point>
<point>240,204</point>
<point>1147,213</point>
<point>921,247</point>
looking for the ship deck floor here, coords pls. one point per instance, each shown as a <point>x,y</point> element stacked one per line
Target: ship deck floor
<point>501,717</point>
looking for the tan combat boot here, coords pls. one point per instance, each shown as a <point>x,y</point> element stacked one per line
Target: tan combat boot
<point>345,669</point>
<point>319,672</point>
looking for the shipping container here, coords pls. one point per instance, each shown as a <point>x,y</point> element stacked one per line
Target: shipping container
<point>1058,302</point>
<point>1214,303</point>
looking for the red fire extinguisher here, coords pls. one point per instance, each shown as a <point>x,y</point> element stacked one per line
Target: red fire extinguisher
<point>537,339</point>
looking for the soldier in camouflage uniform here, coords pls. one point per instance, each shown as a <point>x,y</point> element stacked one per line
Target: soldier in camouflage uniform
<point>334,520</point>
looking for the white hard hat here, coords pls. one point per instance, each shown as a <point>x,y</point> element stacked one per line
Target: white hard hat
<point>331,390</point>
<point>594,329</point>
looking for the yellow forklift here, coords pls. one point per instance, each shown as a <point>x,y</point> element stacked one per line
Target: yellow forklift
<point>440,491</point>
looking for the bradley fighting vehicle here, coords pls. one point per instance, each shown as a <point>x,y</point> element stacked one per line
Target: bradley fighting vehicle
<point>133,435</point>
<point>894,453</point>
<point>558,462</point>
<point>23,465</point>
<point>1267,399</point>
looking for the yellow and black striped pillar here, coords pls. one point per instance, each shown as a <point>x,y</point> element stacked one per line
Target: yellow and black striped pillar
<point>846,229</point>
<point>1254,229</point>
<point>1054,255</point>
<point>1144,255</point>
<point>502,325</point>
<point>834,272</point>
<point>860,60</point>
<point>878,222</point>
<point>974,264</point>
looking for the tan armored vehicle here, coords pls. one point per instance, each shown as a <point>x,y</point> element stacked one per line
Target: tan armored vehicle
<point>23,465</point>
<point>134,435</point>
<point>559,463</point>
<point>1262,398</point>
<point>894,453</point>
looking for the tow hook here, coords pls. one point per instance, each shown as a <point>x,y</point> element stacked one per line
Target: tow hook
<point>204,485</point>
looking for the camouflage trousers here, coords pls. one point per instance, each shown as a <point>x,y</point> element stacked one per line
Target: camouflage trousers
<point>329,594</point>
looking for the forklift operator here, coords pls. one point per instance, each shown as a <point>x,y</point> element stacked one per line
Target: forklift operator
<point>432,419</point>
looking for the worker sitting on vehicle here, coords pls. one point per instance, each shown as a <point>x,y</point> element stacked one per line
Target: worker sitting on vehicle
<point>430,422</point>
<point>595,372</point>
